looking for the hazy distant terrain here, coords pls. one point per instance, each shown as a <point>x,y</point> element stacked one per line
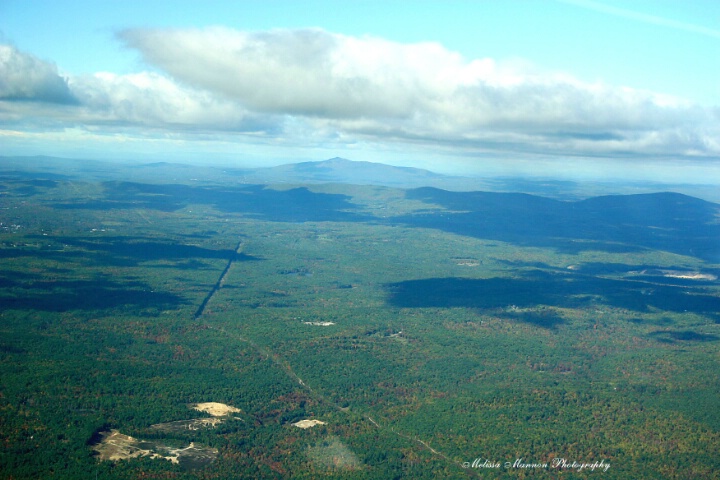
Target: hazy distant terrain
<point>336,170</point>
<point>352,319</point>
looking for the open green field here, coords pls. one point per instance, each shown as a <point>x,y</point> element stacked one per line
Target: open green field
<point>423,331</point>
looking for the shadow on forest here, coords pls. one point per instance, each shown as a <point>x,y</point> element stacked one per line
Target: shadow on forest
<point>658,274</point>
<point>545,318</point>
<point>26,188</point>
<point>97,294</point>
<point>540,289</point>
<point>129,251</point>
<point>619,224</point>
<point>27,184</point>
<point>13,176</point>
<point>683,336</point>
<point>294,205</point>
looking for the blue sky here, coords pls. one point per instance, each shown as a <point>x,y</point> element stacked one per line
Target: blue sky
<point>579,88</point>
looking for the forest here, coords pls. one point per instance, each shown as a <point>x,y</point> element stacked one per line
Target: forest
<point>431,334</point>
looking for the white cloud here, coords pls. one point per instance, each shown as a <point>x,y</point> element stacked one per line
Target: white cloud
<point>315,89</point>
<point>24,77</point>
<point>423,92</point>
<point>155,101</point>
<point>34,96</point>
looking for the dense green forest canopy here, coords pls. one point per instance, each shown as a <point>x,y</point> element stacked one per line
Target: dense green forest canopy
<point>429,333</point>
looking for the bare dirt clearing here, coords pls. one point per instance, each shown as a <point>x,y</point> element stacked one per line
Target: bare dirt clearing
<point>187,425</point>
<point>216,409</point>
<point>307,423</point>
<point>691,275</point>
<point>219,411</point>
<point>116,446</point>
<point>683,274</point>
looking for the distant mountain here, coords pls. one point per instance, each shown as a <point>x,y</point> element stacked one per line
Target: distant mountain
<point>341,170</point>
<point>665,221</point>
<point>335,170</point>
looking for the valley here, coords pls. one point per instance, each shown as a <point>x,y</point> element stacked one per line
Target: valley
<point>417,329</point>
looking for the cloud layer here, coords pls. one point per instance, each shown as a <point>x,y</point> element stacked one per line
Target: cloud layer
<point>26,78</point>
<point>300,86</point>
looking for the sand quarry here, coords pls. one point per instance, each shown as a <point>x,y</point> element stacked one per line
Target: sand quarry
<point>115,446</point>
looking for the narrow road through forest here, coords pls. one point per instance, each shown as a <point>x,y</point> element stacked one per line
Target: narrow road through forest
<point>285,366</point>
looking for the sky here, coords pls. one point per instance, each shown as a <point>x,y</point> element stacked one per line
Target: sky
<point>592,89</point>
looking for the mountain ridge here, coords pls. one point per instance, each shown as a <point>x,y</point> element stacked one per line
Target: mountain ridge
<point>342,170</point>
<point>337,170</point>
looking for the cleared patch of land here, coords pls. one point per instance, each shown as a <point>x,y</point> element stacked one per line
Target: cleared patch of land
<point>219,412</point>
<point>689,275</point>
<point>115,446</point>
<point>188,425</point>
<point>681,274</point>
<point>334,454</point>
<point>216,409</point>
<point>307,423</point>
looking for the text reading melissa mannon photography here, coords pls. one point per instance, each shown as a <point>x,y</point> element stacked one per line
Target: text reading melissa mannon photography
<point>555,463</point>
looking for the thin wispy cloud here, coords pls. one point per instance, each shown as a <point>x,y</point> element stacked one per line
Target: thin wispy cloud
<point>644,17</point>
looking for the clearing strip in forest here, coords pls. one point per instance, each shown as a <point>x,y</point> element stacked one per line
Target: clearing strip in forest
<point>218,284</point>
